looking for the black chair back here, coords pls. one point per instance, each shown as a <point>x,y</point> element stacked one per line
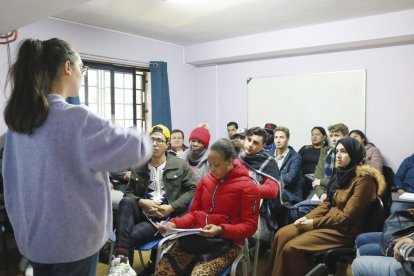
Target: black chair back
<point>389,179</point>
<point>375,217</point>
<point>374,223</point>
<point>319,270</point>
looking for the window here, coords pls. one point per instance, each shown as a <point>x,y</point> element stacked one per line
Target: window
<point>116,93</point>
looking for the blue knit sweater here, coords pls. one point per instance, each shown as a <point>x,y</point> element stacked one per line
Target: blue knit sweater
<point>56,187</point>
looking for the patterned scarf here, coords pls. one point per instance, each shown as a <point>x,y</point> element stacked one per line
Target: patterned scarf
<point>262,164</point>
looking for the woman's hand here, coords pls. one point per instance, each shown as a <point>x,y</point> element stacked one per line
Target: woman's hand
<point>162,226</point>
<point>304,223</point>
<point>316,183</point>
<point>323,197</point>
<point>299,220</point>
<point>126,175</point>
<point>307,222</point>
<point>401,190</point>
<point>211,230</point>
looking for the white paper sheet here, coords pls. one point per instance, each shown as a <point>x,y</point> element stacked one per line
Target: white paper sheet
<point>181,232</point>
<point>315,199</point>
<point>407,196</point>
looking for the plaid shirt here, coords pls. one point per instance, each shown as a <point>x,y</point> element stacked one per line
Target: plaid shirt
<point>407,252</point>
<point>329,164</point>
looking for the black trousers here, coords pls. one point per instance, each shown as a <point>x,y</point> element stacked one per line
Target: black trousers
<point>133,228</point>
<point>84,267</point>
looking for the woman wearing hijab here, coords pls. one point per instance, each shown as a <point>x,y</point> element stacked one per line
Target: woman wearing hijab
<point>337,221</point>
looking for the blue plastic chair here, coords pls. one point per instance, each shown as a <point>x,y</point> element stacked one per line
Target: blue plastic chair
<point>145,247</point>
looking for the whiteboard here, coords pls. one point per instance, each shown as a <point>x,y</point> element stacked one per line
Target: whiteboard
<point>300,102</point>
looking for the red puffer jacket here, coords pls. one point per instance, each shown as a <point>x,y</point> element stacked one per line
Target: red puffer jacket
<point>232,203</point>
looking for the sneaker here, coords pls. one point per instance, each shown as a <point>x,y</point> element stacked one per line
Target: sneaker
<point>24,263</point>
<point>120,267</point>
<point>29,271</point>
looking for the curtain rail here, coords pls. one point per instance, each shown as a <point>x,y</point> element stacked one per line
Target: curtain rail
<point>114,61</point>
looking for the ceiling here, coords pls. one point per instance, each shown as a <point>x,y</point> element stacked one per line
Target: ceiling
<point>186,22</point>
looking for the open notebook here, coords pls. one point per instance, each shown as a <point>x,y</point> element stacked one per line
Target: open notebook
<point>407,196</point>
<point>181,232</point>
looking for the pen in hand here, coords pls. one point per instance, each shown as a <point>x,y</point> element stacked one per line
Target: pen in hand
<point>161,224</point>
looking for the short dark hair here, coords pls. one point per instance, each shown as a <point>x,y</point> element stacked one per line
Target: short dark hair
<point>259,132</point>
<point>233,124</point>
<point>360,133</point>
<point>176,131</point>
<point>225,147</point>
<point>238,146</point>
<point>321,129</point>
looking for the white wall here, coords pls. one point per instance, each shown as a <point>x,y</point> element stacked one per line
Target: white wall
<point>383,45</point>
<point>390,92</point>
<point>217,94</point>
<point>364,32</point>
<point>117,45</point>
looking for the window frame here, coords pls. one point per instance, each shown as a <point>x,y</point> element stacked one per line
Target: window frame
<point>134,71</point>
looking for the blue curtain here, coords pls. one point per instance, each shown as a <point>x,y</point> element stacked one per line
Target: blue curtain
<point>160,95</point>
<point>73,100</point>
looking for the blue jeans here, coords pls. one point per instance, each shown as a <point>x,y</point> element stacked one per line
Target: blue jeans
<point>375,265</point>
<point>396,206</point>
<point>369,244</point>
<point>301,209</point>
<point>84,267</point>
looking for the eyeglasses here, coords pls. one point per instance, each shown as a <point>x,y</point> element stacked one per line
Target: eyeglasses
<point>84,70</point>
<point>159,141</point>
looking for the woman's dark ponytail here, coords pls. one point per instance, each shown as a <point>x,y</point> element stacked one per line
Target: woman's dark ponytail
<point>30,78</point>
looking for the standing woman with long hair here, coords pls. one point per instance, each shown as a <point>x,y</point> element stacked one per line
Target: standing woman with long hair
<point>55,163</point>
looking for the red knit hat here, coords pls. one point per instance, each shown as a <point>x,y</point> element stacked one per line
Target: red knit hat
<point>202,134</point>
